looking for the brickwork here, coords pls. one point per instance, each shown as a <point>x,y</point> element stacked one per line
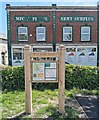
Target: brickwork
<point>31,25</point>
<point>76,25</point>
<point>57,18</point>
<point>59,25</point>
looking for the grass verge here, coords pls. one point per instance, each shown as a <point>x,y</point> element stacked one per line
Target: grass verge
<point>44,103</point>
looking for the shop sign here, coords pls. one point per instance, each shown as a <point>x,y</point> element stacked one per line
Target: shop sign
<point>31,18</point>
<point>76,18</point>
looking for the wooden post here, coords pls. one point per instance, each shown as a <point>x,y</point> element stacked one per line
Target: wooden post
<point>28,82</point>
<point>61,82</point>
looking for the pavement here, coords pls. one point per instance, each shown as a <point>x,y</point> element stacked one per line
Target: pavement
<point>90,105</point>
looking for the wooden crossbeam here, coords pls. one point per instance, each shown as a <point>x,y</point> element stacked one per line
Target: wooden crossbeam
<point>44,54</point>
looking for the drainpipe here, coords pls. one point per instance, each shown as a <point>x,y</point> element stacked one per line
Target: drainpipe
<point>54,26</point>
<point>98,34</point>
<point>9,34</point>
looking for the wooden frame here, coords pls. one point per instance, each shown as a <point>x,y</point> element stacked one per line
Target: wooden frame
<point>60,74</point>
<point>44,54</point>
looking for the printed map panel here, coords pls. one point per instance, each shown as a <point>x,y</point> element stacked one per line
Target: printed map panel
<point>44,71</point>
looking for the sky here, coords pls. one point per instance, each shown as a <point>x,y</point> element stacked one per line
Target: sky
<point>3,20</point>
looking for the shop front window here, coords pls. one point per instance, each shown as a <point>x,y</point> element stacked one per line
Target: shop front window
<point>3,58</point>
<point>18,54</point>
<point>42,50</point>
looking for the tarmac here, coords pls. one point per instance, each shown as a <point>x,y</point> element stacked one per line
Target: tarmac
<point>90,105</point>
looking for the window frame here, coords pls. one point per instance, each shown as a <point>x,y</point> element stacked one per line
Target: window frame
<point>68,33</point>
<point>22,33</point>
<point>40,34</point>
<point>89,33</point>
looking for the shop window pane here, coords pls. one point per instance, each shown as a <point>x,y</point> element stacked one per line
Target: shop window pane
<point>17,50</point>
<point>42,49</point>
<point>18,54</point>
<point>70,49</point>
<point>3,59</point>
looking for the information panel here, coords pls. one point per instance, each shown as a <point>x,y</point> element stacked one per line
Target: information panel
<point>44,71</point>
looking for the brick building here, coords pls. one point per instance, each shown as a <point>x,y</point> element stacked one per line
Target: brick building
<point>46,27</point>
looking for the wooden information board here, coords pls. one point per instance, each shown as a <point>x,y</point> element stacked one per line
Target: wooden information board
<point>44,70</point>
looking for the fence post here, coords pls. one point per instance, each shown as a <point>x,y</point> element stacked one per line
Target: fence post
<point>28,82</point>
<point>61,83</point>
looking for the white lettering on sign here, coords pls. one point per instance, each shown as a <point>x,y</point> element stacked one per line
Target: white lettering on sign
<point>31,18</point>
<point>83,18</point>
<point>19,18</point>
<point>77,18</point>
<point>66,18</point>
<point>45,18</point>
<point>34,18</point>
